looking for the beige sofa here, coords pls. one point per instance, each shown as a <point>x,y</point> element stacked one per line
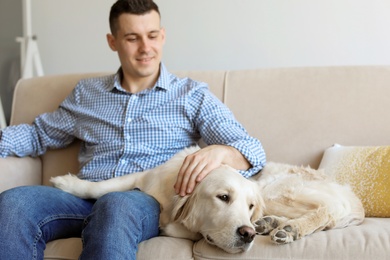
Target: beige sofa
<point>296,112</point>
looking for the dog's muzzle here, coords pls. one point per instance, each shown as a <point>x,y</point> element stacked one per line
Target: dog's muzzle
<point>246,234</point>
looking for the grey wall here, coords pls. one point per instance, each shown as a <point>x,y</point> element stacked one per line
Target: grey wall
<point>223,34</point>
<point>10,27</point>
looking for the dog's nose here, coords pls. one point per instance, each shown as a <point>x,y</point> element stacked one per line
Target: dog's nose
<point>247,234</point>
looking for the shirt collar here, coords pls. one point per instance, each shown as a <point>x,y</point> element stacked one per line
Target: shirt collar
<point>163,81</point>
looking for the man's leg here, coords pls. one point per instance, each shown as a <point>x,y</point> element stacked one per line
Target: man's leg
<point>118,223</point>
<point>31,216</point>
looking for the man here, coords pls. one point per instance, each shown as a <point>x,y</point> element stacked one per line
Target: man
<point>127,122</point>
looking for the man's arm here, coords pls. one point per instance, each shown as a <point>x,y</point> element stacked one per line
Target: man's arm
<point>228,142</point>
<point>49,130</point>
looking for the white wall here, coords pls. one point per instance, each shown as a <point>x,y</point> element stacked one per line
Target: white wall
<point>223,34</point>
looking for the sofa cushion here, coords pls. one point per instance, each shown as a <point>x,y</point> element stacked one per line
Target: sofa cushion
<point>368,241</point>
<point>298,112</point>
<point>155,248</point>
<point>367,170</point>
<point>19,172</point>
<point>67,249</point>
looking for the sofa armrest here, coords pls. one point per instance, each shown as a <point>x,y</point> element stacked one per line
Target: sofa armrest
<point>19,171</point>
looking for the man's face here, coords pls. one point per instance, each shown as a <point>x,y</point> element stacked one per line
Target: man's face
<point>138,41</point>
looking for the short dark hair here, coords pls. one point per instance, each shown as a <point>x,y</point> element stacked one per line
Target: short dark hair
<point>131,7</point>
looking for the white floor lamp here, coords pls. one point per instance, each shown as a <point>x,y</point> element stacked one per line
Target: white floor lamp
<point>29,52</point>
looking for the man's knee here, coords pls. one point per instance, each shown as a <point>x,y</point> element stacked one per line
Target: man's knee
<point>16,207</point>
<point>14,199</point>
<point>130,202</point>
<point>134,211</point>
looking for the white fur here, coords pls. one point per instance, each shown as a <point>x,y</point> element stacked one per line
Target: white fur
<point>290,196</point>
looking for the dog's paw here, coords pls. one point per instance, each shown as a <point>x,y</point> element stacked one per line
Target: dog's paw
<point>284,234</point>
<point>64,182</point>
<point>266,224</point>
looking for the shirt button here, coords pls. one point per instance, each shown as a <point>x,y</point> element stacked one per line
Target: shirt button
<point>128,137</point>
<point>129,120</point>
<point>123,161</point>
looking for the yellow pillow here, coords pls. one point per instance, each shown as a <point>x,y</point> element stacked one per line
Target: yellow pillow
<point>367,170</point>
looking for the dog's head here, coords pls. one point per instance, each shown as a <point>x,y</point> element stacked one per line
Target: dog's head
<point>223,208</point>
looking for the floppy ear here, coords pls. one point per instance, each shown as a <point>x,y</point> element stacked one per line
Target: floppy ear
<point>184,211</point>
<point>259,209</point>
<point>180,208</point>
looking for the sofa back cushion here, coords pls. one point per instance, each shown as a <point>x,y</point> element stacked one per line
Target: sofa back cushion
<point>299,112</point>
<point>295,112</point>
<point>35,96</point>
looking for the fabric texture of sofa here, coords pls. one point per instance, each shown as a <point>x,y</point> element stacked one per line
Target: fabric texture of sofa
<point>297,113</point>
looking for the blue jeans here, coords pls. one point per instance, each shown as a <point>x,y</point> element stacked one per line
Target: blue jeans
<point>110,227</point>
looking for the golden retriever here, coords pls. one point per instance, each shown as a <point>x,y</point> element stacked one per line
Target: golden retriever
<point>228,210</point>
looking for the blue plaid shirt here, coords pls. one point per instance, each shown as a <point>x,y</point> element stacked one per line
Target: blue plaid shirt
<point>123,133</point>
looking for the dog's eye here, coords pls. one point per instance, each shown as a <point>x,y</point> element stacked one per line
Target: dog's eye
<point>224,197</point>
<point>251,206</point>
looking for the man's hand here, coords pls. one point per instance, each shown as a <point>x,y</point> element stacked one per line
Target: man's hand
<point>196,166</point>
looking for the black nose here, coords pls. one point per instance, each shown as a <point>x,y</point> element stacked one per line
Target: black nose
<point>247,234</point>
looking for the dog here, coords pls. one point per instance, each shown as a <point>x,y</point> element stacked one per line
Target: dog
<point>222,208</point>
<point>228,210</point>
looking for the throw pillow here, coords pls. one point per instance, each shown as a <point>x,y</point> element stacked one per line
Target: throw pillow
<point>367,170</point>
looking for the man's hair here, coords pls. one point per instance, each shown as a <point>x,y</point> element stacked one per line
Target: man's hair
<point>137,7</point>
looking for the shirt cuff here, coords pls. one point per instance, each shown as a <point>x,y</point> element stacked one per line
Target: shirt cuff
<point>4,144</point>
<point>253,151</point>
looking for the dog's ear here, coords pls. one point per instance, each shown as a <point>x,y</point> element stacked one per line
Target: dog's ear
<point>259,209</point>
<point>180,207</point>
<point>184,211</point>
